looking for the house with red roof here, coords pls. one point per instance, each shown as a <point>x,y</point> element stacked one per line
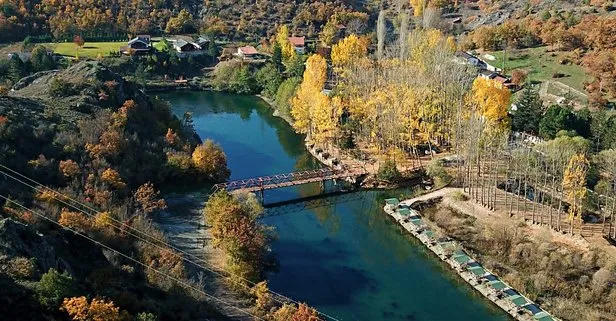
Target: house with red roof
<point>247,52</point>
<point>299,43</point>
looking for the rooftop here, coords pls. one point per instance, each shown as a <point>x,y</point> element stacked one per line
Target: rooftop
<point>248,50</point>
<point>297,41</point>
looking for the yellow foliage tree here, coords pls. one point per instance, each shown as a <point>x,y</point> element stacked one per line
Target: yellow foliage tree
<point>74,220</point>
<point>490,99</point>
<point>282,38</point>
<point>574,185</point>
<point>309,97</point>
<point>418,7</point>
<point>348,51</point>
<point>113,178</point>
<point>210,160</point>
<point>326,117</point>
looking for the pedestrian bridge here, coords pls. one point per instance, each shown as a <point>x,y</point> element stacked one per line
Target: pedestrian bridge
<point>263,183</point>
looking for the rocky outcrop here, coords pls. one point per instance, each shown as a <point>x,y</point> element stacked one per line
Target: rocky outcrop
<point>20,240</point>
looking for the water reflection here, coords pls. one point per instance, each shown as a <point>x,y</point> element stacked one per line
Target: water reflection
<point>346,258</point>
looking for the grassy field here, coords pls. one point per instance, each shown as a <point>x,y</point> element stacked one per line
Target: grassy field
<point>89,50</point>
<point>541,65</point>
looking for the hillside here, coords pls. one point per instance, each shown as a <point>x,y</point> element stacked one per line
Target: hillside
<point>100,141</point>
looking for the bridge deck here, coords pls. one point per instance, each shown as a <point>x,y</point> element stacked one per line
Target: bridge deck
<point>289,179</point>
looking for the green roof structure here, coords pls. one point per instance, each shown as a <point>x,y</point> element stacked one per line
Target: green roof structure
<point>543,316</point>
<point>449,245</point>
<point>429,234</point>
<point>404,211</point>
<point>518,300</point>
<point>462,258</point>
<point>497,285</point>
<point>417,222</point>
<point>477,270</point>
<point>392,201</point>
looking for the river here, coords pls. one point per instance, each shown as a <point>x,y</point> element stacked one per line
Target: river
<point>347,258</point>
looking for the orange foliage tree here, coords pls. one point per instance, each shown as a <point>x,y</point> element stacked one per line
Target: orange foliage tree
<point>69,168</point>
<point>79,309</point>
<point>74,220</point>
<point>113,178</point>
<point>148,199</point>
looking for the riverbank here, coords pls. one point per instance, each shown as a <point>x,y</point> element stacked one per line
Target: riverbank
<point>451,252</point>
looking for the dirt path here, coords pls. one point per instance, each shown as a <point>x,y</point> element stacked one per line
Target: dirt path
<point>184,226</point>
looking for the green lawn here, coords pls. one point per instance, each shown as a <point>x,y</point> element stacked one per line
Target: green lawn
<point>541,65</point>
<point>89,50</point>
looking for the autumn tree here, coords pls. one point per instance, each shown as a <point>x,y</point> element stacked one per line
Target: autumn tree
<point>305,313</point>
<point>69,168</point>
<point>74,220</point>
<point>491,100</point>
<point>418,7</point>
<point>348,51</point>
<point>264,301</point>
<point>282,39</point>
<point>148,199</point>
<point>183,23</point>
<point>309,96</point>
<point>210,161</point>
<point>518,76</point>
<point>601,65</point>
<point>113,178</point>
<point>79,309</point>
<point>574,185</point>
<point>236,230</point>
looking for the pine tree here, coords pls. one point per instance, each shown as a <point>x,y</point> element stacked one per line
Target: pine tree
<point>528,114</point>
<point>17,69</point>
<point>277,56</point>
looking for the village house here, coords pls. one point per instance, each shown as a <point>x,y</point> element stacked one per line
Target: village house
<point>187,44</point>
<point>299,43</point>
<point>138,45</point>
<point>247,52</point>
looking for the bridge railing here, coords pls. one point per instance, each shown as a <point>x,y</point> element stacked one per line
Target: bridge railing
<point>272,180</point>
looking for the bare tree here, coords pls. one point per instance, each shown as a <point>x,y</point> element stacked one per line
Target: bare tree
<point>381,34</point>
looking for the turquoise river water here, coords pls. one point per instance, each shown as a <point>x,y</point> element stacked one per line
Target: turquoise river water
<point>347,258</point>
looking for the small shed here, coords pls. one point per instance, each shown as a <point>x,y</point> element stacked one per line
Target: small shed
<point>392,202</point>
<point>462,259</point>
<point>518,300</point>
<point>497,285</point>
<point>477,270</point>
<point>429,234</point>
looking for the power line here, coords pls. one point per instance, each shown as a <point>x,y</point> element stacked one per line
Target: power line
<point>179,281</point>
<point>167,246</point>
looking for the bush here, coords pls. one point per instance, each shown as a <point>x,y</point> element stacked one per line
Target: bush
<point>436,171</point>
<point>459,196</point>
<point>389,172</point>
<point>53,287</point>
<point>285,92</point>
<point>21,268</point>
<point>233,77</point>
<point>61,88</point>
